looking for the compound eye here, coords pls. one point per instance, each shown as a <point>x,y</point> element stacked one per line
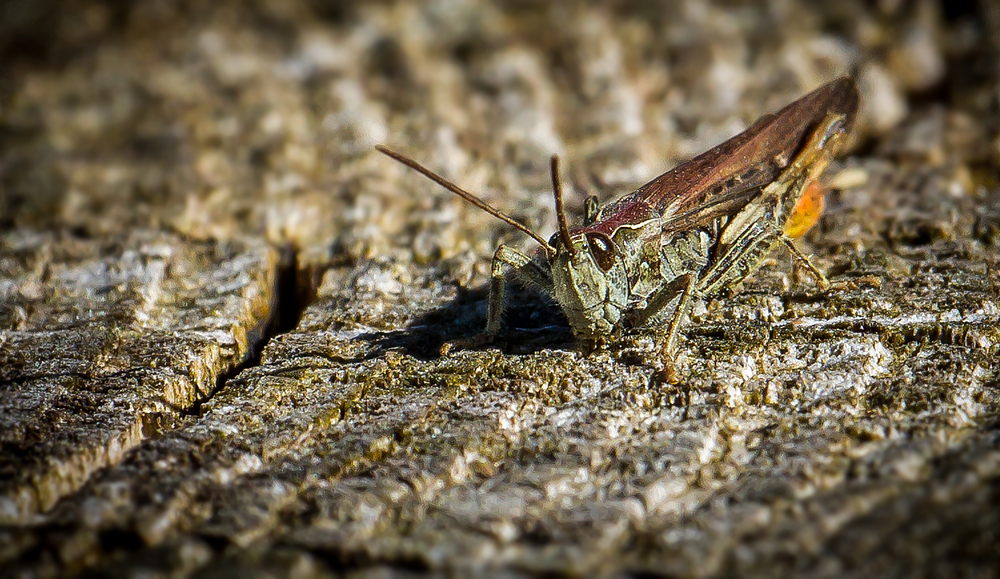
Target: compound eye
<point>602,249</point>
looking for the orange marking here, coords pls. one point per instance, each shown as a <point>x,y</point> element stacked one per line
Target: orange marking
<point>807,211</point>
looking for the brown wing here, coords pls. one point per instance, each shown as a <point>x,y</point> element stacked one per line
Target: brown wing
<point>723,179</point>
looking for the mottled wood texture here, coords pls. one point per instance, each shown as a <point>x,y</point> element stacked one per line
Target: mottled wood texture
<point>220,311</point>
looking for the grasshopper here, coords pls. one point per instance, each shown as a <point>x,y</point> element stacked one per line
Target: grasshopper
<point>695,231</point>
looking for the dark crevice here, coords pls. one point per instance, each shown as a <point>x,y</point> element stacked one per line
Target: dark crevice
<point>345,559</point>
<point>295,290</point>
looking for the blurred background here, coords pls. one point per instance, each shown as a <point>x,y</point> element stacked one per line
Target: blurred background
<point>215,119</point>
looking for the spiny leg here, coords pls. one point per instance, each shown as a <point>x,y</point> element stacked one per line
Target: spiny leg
<point>789,203</point>
<point>529,270</point>
<point>523,267</point>
<point>666,373</point>
<point>821,280</point>
<point>683,310</point>
<point>685,285</point>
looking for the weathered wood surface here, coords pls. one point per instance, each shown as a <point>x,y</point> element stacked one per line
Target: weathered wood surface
<point>174,182</point>
<point>108,341</point>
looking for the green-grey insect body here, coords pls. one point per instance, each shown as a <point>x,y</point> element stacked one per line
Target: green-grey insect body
<point>614,278</point>
<point>646,271</point>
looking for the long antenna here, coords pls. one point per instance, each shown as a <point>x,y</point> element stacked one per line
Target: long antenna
<point>465,195</point>
<point>567,240</point>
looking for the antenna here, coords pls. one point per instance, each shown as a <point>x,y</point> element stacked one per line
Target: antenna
<point>465,195</point>
<point>564,235</point>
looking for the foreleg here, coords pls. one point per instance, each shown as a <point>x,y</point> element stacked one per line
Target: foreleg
<point>686,284</point>
<point>507,261</point>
